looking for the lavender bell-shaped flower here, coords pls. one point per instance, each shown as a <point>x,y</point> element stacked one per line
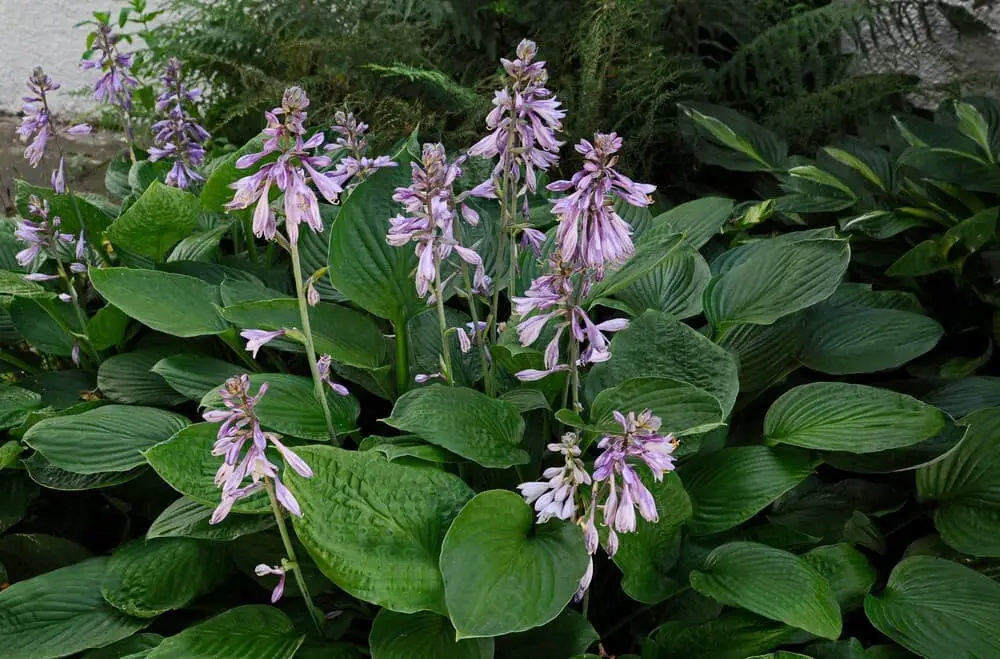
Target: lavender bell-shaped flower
<point>42,238</point>
<point>37,127</point>
<point>290,173</point>
<point>241,430</point>
<point>355,166</point>
<point>178,136</point>
<point>264,570</point>
<point>524,121</point>
<point>324,366</point>
<point>590,231</point>
<point>256,339</point>
<point>556,497</point>
<point>430,210</point>
<point>117,83</point>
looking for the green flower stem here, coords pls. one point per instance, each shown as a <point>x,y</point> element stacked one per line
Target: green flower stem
<point>279,517</point>
<point>300,292</point>
<point>80,315</point>
<point>474,313</point>
<point>402,358</point>
<point>442,321</point>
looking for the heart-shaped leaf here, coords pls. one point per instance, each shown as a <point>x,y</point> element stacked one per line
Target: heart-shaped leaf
<point>195,375</point>
<point>248,632</point>
<point>375,528</point>
<point>464,421</point>
<point>501,573</point>
<point>771,583</point>
<point>156,221</point>
<point>938,609</point>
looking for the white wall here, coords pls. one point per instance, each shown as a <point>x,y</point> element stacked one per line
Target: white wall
<point>41,33</point>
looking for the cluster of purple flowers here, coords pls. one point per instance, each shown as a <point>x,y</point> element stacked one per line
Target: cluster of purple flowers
<point>37,128</point>
<point>117,83</point>
<point>639,440</point>
<point>178,136</point>
<point>240,427</point>
<point>355,166</point>
<point>44,240</point>
<point>590,237</point>
<point>590,231</point>
<point>524,121</point>
<point>431,206</point>
<point>257,339</point>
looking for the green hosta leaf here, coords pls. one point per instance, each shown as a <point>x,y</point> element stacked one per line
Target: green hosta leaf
<point>968,170</point>
<point>771,583</point>
<point>27,555</point>
<point>15,403</point>
<point>116,176</point>
<point>900,459</point>
<point>375,528</point>
<point>753,147</point>
<point>766,353</point>
<point>492,550</point>
<point>646,556</point>
<point>697,220</point>
<point>925,258</point>
<point>682,407</point>
<point>36,320</point>
<point>148,577</point>
<point>107,327</point>
<point>938,609</point>
<point>158,219</point>
<point>186,463</point>
<point>9,452</point>
<point>866,340</point>
<point>731,486</point>
<point>200,246</point>
<point>187,518</point>
<point>144,173</point>
<point>65,207</point>
<point>371,273</point>
<point>836,416</point>
<point>54,478</point>
<point>424,332</point>
<point>107,438</point>
<point>963,396</point>
<point>13,283</point>
<point>173,304</point>
<point>129,378</point>
<point>248,632</point>
<point>349,336</point>
<point>849,649</point>
<point>653,249</point>
<point>733,635</point>
<point>973,232</point>
<point>657,346</point>
<point>777,279</point>
<point>675,286</point>
<point>567,635</point>
<point>967,485</point>
<point>195,375</point>
<point>17,492</point>
<point>132,647</point>
<point>290,406</point>
<point>466,422</point>
<point>422,635</point>
<point>61,613</point>
<point>846,570</point>
<point>408,446</point>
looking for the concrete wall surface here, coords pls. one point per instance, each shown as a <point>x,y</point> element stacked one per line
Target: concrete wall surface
<point>41,33</point>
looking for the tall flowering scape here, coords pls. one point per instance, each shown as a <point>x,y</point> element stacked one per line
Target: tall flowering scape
<point>355,166</point>
<point>117,83</point>
<point>616,489</point>
<point>291,172</point>
<point>244,445</point>
<point>178,136</point>
<point>431,206</point>
<point>37,127</point>
<point>590,237</point>
<point>524,121</point>
<point>590,231</point>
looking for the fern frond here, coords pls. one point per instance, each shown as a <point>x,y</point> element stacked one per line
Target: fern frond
<point>436,79</point>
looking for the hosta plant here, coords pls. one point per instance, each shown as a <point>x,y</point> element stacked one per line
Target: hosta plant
<point>305,400</point>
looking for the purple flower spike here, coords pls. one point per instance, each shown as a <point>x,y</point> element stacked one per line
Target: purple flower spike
<point>37,128</point>
<point>524,122</point>
<point>178,136</point>
<point>590,231</point>
<point>429,204</point>
<point>355,166</point>
<point>295,167</point>
<point>264,570</point>
<point>556,497</point>
<point>117,83</point>
<point>256,339</point>
<point>243,444</point>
